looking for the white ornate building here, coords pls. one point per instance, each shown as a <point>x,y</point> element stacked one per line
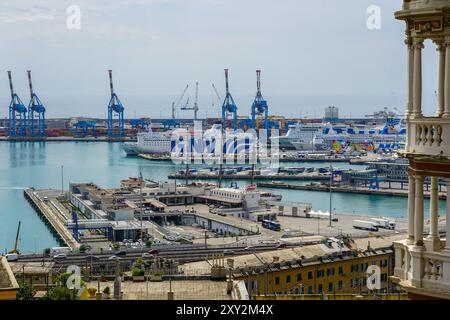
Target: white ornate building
<point>422,262</point>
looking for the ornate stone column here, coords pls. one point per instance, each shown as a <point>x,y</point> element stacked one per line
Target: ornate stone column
<point>432,242</point>
<point>441,80</point>
<point>410,77</point>
<point>418,46</point>
<point>418,212</point>
<point>446,113</point>
<point>411,207</point>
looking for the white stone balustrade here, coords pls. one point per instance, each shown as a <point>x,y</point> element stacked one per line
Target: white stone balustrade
<point>429,135</point>
<point>432,269</point>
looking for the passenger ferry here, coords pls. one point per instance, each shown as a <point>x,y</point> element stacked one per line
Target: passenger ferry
<point>170,141</point>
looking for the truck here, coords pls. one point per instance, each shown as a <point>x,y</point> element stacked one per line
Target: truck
<point>365,225</point>
<point>57,250</point>
<point>384,223</point>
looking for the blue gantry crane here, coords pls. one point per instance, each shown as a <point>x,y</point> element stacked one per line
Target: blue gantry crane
<point>82,128</point>
<point>228,105</point>
<point>115,107</point>
<point>139,124</point>
<point>17,121</point>
<point>36,113</point>
<point>259,106</point>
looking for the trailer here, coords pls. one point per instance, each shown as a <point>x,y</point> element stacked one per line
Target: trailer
<point>384,223</point>
<point>365,225</point>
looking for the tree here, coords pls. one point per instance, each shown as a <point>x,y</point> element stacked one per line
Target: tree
<point>61,292</point>
<point>26,292</point>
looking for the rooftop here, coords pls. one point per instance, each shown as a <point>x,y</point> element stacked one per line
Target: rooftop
<point>182,289</point>
<point>308,254</point>
<point>7,279</point>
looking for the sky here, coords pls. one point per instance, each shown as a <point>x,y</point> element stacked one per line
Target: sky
<point>312,54</point>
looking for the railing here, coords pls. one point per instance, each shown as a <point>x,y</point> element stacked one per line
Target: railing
<point>429,135</point>
<point>433,266</point>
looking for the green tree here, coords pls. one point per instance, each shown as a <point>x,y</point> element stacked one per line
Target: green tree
<point>26,292</point>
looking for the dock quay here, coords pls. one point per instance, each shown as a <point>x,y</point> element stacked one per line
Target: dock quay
<point>343,189</point>
<point>246,176</point>
<point>66,139</point>
<point>55,224</point>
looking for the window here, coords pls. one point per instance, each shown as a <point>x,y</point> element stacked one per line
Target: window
<point>340,284</point>
<point>310,275</point>
<point>277,280</point>
<point>310,290</point>
<point>330,287</point>
<point>299,277</point>
<point>288,279</point>
<point>341,270</point>
<point>320,273</point>
<point>320,288</point>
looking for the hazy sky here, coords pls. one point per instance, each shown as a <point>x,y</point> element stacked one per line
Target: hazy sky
<point>312,54</point>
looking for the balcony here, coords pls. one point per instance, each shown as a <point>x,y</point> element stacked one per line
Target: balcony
<point>422,272</point>
<point>429,136</point>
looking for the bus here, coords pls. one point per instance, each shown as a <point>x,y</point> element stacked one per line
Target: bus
<point>272,225</point>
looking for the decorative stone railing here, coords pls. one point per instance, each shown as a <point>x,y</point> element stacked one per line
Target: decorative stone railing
<point>431,271</point>
<point>429,135</point>
<point>436,269</point>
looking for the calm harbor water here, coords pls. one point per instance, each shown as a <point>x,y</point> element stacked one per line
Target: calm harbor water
<point>39,164</point>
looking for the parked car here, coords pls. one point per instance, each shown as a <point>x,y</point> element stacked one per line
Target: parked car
<point>248,248</point>
<point>113,258</point>
<point>153,251</point>
<point>228,252</point>
<point>91,257</point>
<point>121,253</point>
<point>281,246</point>
<point>60,256</point>
<point>148,255</point>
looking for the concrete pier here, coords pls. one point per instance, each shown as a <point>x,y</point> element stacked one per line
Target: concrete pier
<point>55,223</point>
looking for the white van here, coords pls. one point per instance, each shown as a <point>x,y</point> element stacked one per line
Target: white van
<point>11,257</point>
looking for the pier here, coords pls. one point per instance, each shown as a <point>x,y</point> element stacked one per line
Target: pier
<point>54,223</point>
<point>246,176</point>
<point>343,189</point>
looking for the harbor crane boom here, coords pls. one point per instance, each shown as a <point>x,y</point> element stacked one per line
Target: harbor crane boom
<point>115,107</point>
<point>228,105</point>
<point>195,107</point>
<point>260,105</point>
<point>17,121</point>
<point>35,107</point>
<point>177,102</point>
<point>16,243</point>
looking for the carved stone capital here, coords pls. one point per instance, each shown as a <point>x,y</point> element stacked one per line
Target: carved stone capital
<point>418,44</point>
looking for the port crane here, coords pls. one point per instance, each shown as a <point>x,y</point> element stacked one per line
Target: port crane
<point>195,107</point>
<point>228,105</point>
<point>36,113</point>
<point>219,98</point>
<point>115,107</point>
<point>177,102</point>
<point>17,121</point>
<point>16,244</point>
<point>260,106</point>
